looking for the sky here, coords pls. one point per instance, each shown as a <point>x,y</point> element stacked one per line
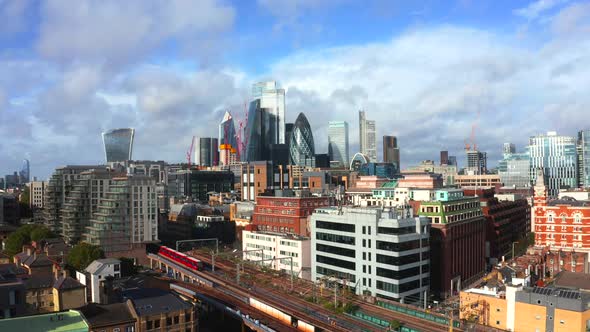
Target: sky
<point>427,71</point>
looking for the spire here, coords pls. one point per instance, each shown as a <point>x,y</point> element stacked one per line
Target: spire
<point>226,117</point>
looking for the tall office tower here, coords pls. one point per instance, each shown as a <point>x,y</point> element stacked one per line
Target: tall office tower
<point>228,146</point>
<point>126,215</point>
<point>288,131</point>
<point>367,137</point>
<point>453,161</point>
<point>272,102</point>
<point>514,170</point>
<point>118,144</point>
<point>477,162</point>
<point>384,253</point>
<point>25,172</point>
<point>557,157</point>
<point>206,154</point>
<point>584,158</point>
<point>301,145</point>
<point>508,148</point>
<point>390,151</point>
<point>338,143</point>
<point>444,157</point>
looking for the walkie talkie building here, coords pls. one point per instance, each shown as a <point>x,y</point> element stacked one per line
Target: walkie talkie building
<point>118,144</point>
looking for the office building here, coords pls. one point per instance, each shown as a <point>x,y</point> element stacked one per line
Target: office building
<point>584,158</point>
<point>288,131</point>
<point>9,209</point>
<point>206,152</point>
<point>514,170</point>
<point>158,170</point>
<point>267,245</point>
<point>286,212</point>
<point>322,160</point>
<point>390,151</point>
<point>126,216</point>
<point>477,180</point>
<point>367,136</point>
<point>444,157</point>
<point>557,157</point>
<point>301,144</point>
<point>37,193</point>
<point>384,253</point>
<point>25,172</point>
<point>198,184</point>
<point>338,143</point>
<point>228,150</point>
<point>448,171</point>
<point>382,170</point>
<point>260,176</point>
<point>457,240</point>
<point>477,162</point>
<point>508,148</point>
<point>358,161</point>
<point>453,161</point>
<point>118,144</point>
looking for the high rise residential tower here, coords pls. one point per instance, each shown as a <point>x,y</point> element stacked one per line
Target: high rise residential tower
<point>390,150</point>
<point>367,137</point>
<point>118,144</point>
<point>338,142</point>
<point>584,158</point>
<point>556,156</point>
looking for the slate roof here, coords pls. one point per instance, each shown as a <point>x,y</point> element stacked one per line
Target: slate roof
<point>67,283</point>
<point>98,265</point>
<point>100,315</point>
<point>152,301</point>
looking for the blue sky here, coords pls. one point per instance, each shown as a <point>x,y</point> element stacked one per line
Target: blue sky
<point>426,71</point>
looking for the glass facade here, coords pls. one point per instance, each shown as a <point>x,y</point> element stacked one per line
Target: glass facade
<point>301,145</point>
<point>118,144</point>
<point>584,157</point>
<point>227,140</point>
<point>338,142</point>
<point>358,162</point>
<point>514,170</point>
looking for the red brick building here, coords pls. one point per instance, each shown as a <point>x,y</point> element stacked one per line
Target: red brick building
<point>561,223</point>
<point>506,222</point>
<point>542,261</point>
<point>286,212</point>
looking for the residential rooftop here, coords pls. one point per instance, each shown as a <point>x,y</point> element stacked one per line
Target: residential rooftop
<point>151,301</point>
<point>66,321</point>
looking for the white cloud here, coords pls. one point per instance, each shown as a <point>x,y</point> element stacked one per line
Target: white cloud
<point>536,8</point>
<point>12,16</point>
<point>572,21</point>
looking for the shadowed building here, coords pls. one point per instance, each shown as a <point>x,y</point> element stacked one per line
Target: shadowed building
<point>118,144</point>
<point>390,151</point>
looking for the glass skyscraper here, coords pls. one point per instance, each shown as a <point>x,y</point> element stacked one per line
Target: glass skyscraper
<point>301,145</point>
<point>338,142</point>
<point>557,157</point>
<point>118,144</point>
<point>514,170</point>
<point>228,145</point>
<point>25,172</point>
<point>205,152</point>
<point>584,157</point>
<point>367,136</point>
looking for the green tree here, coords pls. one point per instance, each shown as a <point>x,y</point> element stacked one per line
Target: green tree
<point>83,254</point>
<point>395,325</point>
<point>25,196</point>
<point>41,233</point>
<point>15,242</point>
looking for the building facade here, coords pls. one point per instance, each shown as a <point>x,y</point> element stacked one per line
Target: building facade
<point>367,136</point>
<point>508,148</point>
<point>584,158</point>
<point>37,193</point>
<point>258,177</point>
<point>301,144</point>
<point>118,144</point>
<point>206,151</point>
<point>228,150</point>
<point>391,150</point>
<point>478,180</point>
<point>383,253</point>
<point>477,162</point>
<point>448,172</point>
<point>338,148</point>
<point>514,170</point>
<point>557,157</point>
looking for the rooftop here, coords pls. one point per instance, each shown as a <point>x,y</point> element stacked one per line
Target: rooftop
<point>566,200</point>
<point>98,265</point>
<point>572,280</point>
<point>67,321</point>
<point>99,315</point>
<point>152,301</point>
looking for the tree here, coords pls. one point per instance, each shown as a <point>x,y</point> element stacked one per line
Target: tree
<point>15,242</point>
<point>395,325</point>
<point>40,233</point>
<point>23,235</point>
<point>83,254</point>
<point>25,196</point>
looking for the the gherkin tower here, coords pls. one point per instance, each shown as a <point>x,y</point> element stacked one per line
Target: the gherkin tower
<point>301,146</point>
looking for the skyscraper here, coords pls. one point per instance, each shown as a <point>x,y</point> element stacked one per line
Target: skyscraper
<point>477,162</point>
<point>390,150</point>
<point>444,157</point>
<point>118,144</point>
<point>301,145</point>
<point>228,146</point>
<point>557,157</point>
<point>367,137</point>
<point>338,142</point>
<point>584,158</point>
<point>25,172</point>
<point>206,153</point>
<point>508,148</point>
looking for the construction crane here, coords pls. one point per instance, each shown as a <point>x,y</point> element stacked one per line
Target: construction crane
<point>242,124</point>
<point>470,143</point>
<point>189,153</point>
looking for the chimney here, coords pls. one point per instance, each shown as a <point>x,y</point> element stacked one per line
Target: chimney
<point>29,251</point>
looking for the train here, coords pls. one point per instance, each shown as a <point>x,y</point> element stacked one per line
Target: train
<point>180,258</point>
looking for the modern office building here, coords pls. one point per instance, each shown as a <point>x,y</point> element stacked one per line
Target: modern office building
<point>127,215</point>
<point>118,144</point>
<point>198,184</point>
<point>382,170</point>
<point>260,176</point>
<point>556,156</point>
<point>514,170</point>
<point>457,240</point>
<point>272,102</point>
<point>444,157</point>
<point>383,253</point>
<point>206,152</point>
<point>390,151</point>
<point>367,136</point>
<point>508,148</point>
<point>358,160</point>
<point>338,143</point>
<point>228,149</point>
<point>25,172</point>
<point>584,158</point>
<point>477,180</point>
<point>477,162</point>
<point>453,160</point>
<point>301,144</point>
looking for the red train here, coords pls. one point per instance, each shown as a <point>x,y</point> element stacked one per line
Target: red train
<point>180,258</point>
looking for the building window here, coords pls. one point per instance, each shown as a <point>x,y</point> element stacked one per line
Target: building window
<point>150,325</point>
<point>116,329</point>
<point>168,321</point>
<point>157,324</point>
<point>497,322</point>
<point>562,322</point>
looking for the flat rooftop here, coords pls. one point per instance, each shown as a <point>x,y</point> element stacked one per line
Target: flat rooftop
<point>66,321</point>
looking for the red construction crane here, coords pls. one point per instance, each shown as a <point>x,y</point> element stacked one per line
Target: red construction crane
<point>242,124</point>
<point>470,144</point>
<point>189,153</point>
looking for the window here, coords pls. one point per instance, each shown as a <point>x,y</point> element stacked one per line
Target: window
<point>187,317</point>
<point>176,319</point>
<point>116,329</point>
<point>562,322</point>
<point>497,322</point>
<point>157,324</point>
<point>150,325</point>
<point>168,321</point>
<point>117,267</point>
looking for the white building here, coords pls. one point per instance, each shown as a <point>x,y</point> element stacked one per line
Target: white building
<point>368,137</point>
<point>37,193</point>
<point>376,252</point>
<point>338,148</point>
<point>275,245</point>
<point>95,274</point>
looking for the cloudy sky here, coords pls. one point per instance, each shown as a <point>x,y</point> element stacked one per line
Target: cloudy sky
<point>425,70</point>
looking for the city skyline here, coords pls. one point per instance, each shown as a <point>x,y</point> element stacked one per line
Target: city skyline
<point>519,60</point>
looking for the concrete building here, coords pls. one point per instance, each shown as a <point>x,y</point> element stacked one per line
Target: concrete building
<point>338,148</point>
<point>478,180</point>
<point>557,157</point>
<point>95,275</point>
<point>477,162</point>
<point>391,151</point>
<point>448,172</point>
<point>422,180</point>
<point>277,245</point>
<point>367,136</point>
<point>508,148</point>
<point>259,176</point>
<point>457,240</point>
<point>382,253</point>
<point>287,212</point>
<point>37,193</point>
